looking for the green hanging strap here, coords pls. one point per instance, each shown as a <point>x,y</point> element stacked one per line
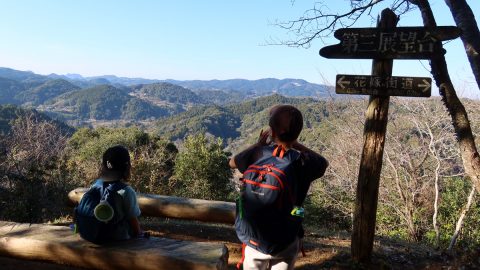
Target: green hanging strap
<point>240,206</point>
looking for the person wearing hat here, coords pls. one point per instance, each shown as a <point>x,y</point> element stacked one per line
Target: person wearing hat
<point>116,167</point>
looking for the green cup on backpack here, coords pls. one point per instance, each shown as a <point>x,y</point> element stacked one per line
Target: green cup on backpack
<point>298,211</point>
<point>103,211</point>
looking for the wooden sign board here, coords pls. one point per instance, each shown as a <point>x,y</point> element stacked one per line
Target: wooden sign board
<point>398,43</point>
<point>383,86</point>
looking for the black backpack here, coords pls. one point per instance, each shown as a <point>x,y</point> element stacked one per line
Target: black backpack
<point>263,219</point>
<point>89,227</point>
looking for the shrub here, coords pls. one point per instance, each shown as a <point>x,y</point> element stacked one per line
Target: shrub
<point>33,187</point>
<point>202,171</point>
<point>152,157</point>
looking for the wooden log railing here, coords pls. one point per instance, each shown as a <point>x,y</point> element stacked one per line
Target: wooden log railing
<point>177,207</point>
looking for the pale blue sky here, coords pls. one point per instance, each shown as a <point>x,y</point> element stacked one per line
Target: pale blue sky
<point>188,39</point>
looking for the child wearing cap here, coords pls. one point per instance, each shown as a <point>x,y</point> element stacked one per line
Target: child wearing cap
<point>116,167</point>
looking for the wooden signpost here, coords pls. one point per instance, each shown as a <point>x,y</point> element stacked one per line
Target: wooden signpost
<point>383,86</point>
<point>382,44</point>
<point>394,43</point>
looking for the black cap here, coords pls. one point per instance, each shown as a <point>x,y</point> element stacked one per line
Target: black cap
<point>116,158</point>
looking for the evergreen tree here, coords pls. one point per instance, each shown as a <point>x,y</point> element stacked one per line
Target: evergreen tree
<point>201,169</point>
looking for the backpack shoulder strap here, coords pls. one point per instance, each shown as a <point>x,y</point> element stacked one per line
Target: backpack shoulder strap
<point>115,186</point>
<point>281,152</point>
<point>278,151</point>
<point>98,185</point>
<point>268,150</point>
<point>266,153</point>
<point>293,155</point>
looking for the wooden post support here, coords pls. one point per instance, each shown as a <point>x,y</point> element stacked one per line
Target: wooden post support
<point>371,162</point>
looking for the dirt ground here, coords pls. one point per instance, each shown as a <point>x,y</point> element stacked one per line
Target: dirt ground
<point>322,251</point>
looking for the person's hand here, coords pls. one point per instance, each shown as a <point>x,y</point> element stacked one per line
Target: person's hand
<point>263,139</point>
<point>143,234</point>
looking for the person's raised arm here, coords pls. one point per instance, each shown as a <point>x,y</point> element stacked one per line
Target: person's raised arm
<point>244,157</point>
<point>313,158</point>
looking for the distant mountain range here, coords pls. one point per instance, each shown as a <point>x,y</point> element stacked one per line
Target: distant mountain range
<point>262,87</point>
<point>108,97</point>
<point>291,87</point>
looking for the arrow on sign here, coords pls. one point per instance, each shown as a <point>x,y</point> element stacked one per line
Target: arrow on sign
<point>342,83</point>
<point>426,85</point>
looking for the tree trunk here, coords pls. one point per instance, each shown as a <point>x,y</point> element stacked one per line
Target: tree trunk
<point>461,124</point>
<point>460,219</point>
<point>465,20</point>
<point>371,162</point>
<point>435,204</point>
<point>431,147</point>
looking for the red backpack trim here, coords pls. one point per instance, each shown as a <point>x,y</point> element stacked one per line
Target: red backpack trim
<point>279,150</point>
<point>269,167</point>
<point>240,263</point>
<point>251,182</point>
<point>263,172</point>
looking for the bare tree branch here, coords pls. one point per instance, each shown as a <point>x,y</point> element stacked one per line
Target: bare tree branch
<point>458,227</point>
<point>320,21</point>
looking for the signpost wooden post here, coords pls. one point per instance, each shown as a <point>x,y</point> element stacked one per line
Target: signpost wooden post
<point>382,44</point>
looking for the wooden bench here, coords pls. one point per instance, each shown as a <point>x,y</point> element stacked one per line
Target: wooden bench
<point>59,244</point>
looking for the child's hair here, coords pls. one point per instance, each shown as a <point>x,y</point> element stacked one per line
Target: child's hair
<point>116,163</point>
<point>286,122</point>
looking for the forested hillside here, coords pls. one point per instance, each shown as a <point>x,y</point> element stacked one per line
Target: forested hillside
<point>213,120</point>
<point>232,120</point>
<point>38,95</point>
<point>9,89</point>
<point>104,102</point>
<point>167,94</point>
<point>10,115</point>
